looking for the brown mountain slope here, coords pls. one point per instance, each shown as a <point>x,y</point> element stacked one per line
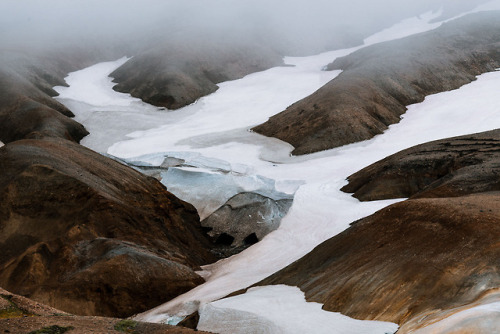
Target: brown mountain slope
<point>379,81</point>
<point>179,73</point>
<point>443,168</point>
<point>28,112</point>
<point>27,109</point>
<point>415,261</point>
<point>416,257</point>
<point>27,76</point>
<point>88,235</point>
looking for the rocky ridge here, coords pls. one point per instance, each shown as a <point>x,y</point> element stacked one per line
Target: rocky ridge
<point>178,74</point>
<point>80,231</point>
<point>379,81</point>
<point>27,109</point>
<point>444,168</point>
<point>83,233</point>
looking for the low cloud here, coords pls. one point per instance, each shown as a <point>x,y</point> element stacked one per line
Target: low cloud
<point>298,25</point>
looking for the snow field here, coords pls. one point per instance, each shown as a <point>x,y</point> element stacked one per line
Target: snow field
<point>269,310</point>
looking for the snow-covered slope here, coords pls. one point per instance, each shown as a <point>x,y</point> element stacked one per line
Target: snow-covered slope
<point>280,309</point>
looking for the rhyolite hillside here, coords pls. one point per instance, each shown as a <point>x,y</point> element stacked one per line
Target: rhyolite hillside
<point>26,107</point>
<point>175,69</point>
<point>80,231</point>
<point>414,262</point>
<point>444,168</point>
<point>91,236</point>
<point>179,73</point>
<point>379,81</point>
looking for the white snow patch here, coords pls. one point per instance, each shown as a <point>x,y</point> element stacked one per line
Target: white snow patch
<point>423,23</point>
<point>1,144</point>
<point>93,86</point>
<point>479,319</point>
<point>108,115</point>
<point>238,104</point>
<point>280,309</point>
<point>407,27</point>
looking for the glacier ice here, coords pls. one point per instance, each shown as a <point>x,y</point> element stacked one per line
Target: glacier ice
<point>208,190</point>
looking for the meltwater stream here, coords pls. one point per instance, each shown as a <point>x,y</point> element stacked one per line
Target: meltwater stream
<point>216,127</point>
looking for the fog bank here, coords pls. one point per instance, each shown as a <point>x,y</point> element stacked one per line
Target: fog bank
<point>293,27</point>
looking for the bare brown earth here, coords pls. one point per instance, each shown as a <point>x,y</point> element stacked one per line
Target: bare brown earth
<point>378,82</point>
<point>79,231</point>
<point>19,315</point>
<point>178,74</point>
<point>89,235</point>
<point>444,168</point>
<point>415,261</point>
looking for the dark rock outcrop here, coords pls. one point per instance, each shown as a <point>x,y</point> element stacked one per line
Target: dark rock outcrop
<point>89,235</point>
<point>378,82</point>
<point>443,168</point>
<point>181,72</point>
<point>244,220</point>
<point>239,222</point>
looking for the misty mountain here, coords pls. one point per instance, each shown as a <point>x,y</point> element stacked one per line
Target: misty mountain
<point>179,73</point>
<point>379,81</point>
<point>91,235</point>
<point>293,27</point>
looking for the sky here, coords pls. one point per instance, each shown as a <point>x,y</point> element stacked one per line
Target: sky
<point>295,25</point>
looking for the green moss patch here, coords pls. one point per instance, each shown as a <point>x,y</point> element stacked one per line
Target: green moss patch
<point>13,311</point>
<point>55,329</point>
<point>126,326</point>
